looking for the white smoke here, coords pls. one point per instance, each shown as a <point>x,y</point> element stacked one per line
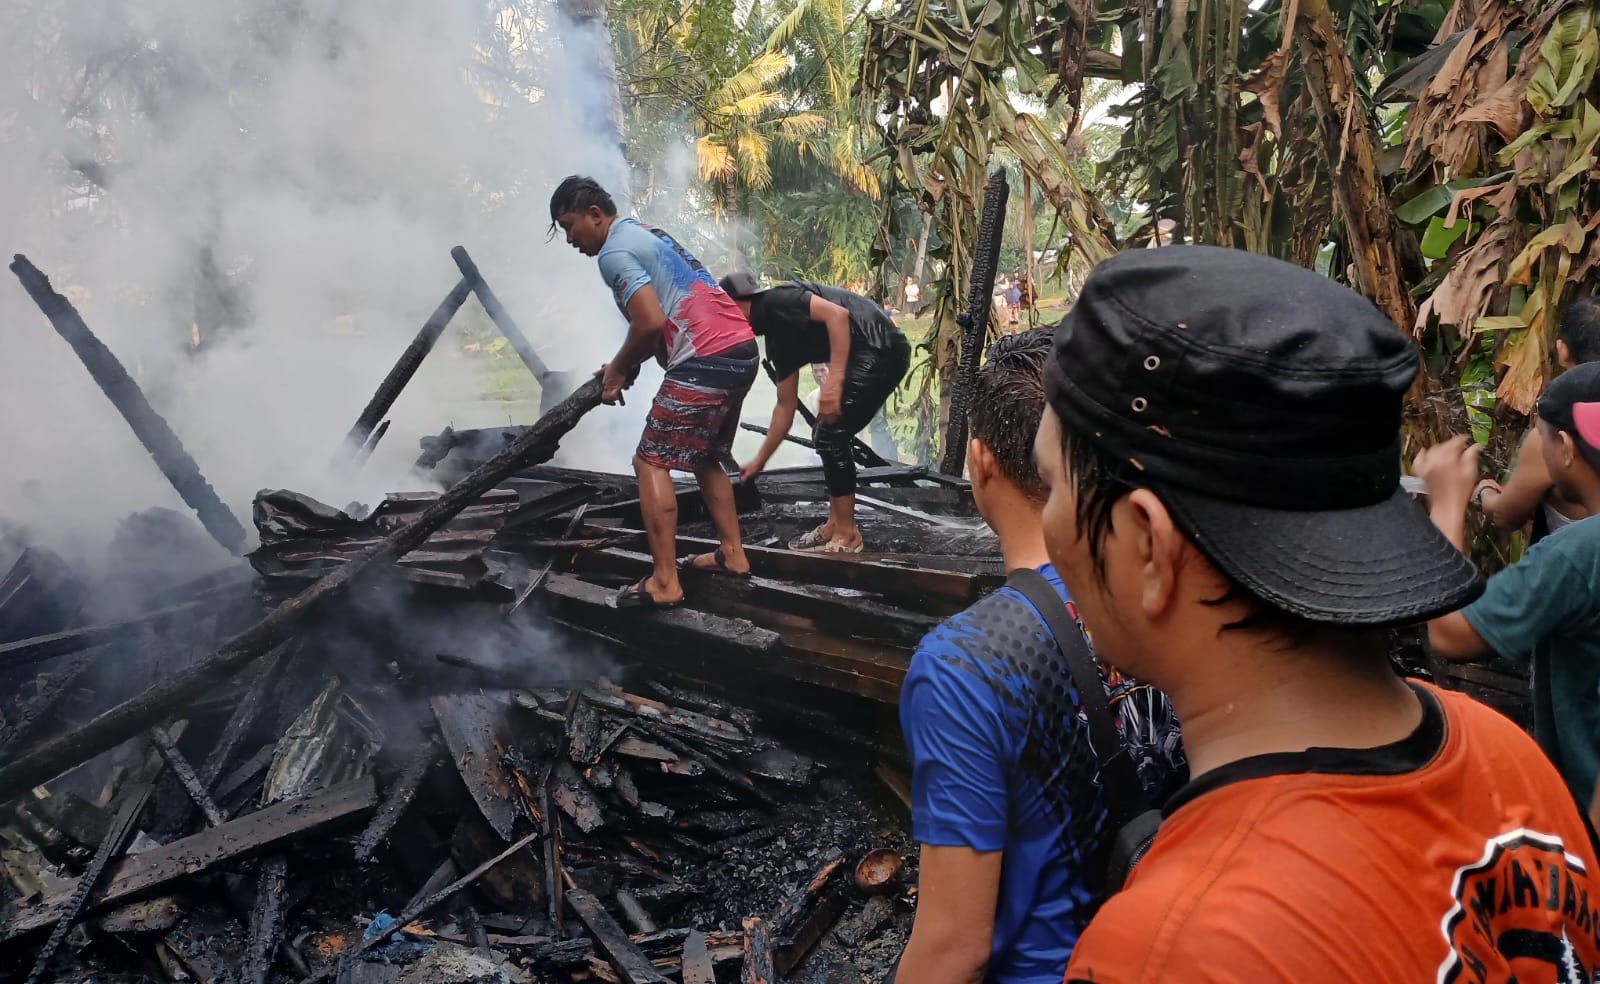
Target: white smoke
<point>328,155</point>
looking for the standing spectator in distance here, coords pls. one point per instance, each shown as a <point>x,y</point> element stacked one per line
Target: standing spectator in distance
<point>1013,301</point>
<point>677,313</point>
<point>1547,605</point>
<point>1005,801</point>
<point>866,356</point>
<point>1529,492</point>
<point>1002,307</point>
<point>912,293</point>
<point>1223,456</point>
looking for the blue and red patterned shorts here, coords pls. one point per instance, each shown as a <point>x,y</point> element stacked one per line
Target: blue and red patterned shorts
<point>696,412</point>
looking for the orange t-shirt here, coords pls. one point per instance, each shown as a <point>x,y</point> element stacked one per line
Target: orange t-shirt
<point>1455,855</point>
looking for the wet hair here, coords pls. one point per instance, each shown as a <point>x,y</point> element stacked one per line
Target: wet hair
<point>576,194</point>
<point>1008,402</point>
<point>1580,329</point>
<point>1100,481</point>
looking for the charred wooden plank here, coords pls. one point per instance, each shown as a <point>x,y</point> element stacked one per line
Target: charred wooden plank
<point>590,604</point>
<point>245,714</point>
<point>248,835</point>
<point>575,798</point>
<point>635,913</point>
<point>266,920</point>
<point>627,958</point>
<point>498,314</point>
<point>696,967</point>
<point>58,684</point>
<point>40,648</point>
<point>550,504</point>
<point>583,734</point>
<point>738,780</point>
<point>148,425</point>
<point>406,366</point>
<point>74,904</point>
<point>179,764</point>
<point>759,967</point>
<point>690,723</point>
<point>398,798</point>
<point>931,591</point>
<point>801,921</point>
<point>40,594</point>
<point>163,700</point>
<point>475,729</point>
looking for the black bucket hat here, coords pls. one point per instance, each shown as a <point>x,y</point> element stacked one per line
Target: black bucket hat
<point>1262,403</point>
<point>740,285</point>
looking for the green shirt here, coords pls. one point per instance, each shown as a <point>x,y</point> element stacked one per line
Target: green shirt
<point>1548,605</point>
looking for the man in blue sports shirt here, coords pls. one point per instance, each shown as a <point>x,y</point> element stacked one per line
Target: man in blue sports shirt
<point>1005,803</point>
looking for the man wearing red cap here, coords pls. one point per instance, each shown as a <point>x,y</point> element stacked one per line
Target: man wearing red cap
<point>1546,605</point>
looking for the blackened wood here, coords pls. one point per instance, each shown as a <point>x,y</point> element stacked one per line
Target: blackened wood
<point>23,723</point>
<point>40,648</point>
<point>738,780</point>
<point>583,734</point>
<point>266,920</point>
<point>406,366</point>
<point>475,729</point>
<point>758,956</point>
<point>575,799</point>
<point>417,909</point>
<point>150,427</point>
<point>635,912</point>
<point>974,321</point>
<point>116,838</point>
<point>627,958</point>
<point>693,724</point>
<point>591,605</point>
<point>192,786</point>
<point>163,700</point>
<point>371,445</point>
<point>499,315</point>
<point>244,716</point>
<point>792,910</point>
<point>246,836</point>
<point>398,798</point>
<point>807,914</point>
<point>38,595</point>
<point>696,964</point>
<point>550,505</point>
<point>537,580</point>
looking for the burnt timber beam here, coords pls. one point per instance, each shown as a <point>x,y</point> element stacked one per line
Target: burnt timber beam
<point>758,956</point>
<point>53,756</point>
<point>248,835</point>
<point>473,277</point>
<point>150,427</point>
<point>625,956</point>
<point>974,321</point>
<point>404,368</point>
<point>589,605</point>
<point>695,964</point>
<point>398,798</point>
<point>934,592</point>
<point>41,648</point>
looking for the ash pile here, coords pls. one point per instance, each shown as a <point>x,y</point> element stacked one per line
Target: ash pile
<point>415,742</point>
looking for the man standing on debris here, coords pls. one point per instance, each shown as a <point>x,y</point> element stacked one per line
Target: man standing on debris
<point>867,357</point>
<point>1223,456</point>
<point>1547,605</point>
<point>1005,798</point>
<point>1529,492</point>
<point>677,313</point>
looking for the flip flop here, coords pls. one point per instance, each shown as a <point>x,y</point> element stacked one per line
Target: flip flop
<point>638,596</point>
<point>719,564</point>
<point>808,541</point>
<point>837,548</point>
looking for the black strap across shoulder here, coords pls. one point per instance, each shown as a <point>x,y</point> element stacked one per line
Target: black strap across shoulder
<point>1125,796</point>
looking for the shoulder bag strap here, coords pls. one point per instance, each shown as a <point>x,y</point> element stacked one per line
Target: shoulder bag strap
<point>1125,795</point>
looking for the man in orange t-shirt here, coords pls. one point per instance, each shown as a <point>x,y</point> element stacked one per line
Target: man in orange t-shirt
<point>1222,451</point>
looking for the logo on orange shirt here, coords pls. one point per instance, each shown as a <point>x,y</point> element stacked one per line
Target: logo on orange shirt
<point>1522,913</point>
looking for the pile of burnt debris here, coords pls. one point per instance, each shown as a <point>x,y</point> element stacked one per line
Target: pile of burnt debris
<point>436,779</point>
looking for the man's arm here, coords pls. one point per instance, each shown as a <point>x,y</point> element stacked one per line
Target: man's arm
<point>1451,470</point>
<point>646,321</point>
<point>1511,505</point>
<point>836,320</point>
<point>954,928</point>
<point>778,429</point>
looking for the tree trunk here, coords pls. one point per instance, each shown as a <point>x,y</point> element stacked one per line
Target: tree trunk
<point>1347,139</point>
<point>590,20</point>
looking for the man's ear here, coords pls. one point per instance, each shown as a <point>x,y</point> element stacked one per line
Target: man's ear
<point>1563,354</point>
<point>1146,526</point>
<point>981,465</point>
<point>1567,452</point>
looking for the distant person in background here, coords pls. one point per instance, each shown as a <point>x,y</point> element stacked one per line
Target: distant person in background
<point>867,357</point>
<point>679,315</point>
<point>912,293</point>
<point>1013,301</point>
<point>1528,492</point>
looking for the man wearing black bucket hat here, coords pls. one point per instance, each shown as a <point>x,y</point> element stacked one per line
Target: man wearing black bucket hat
<point>1222,450</point>
<point>1547,605</point>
